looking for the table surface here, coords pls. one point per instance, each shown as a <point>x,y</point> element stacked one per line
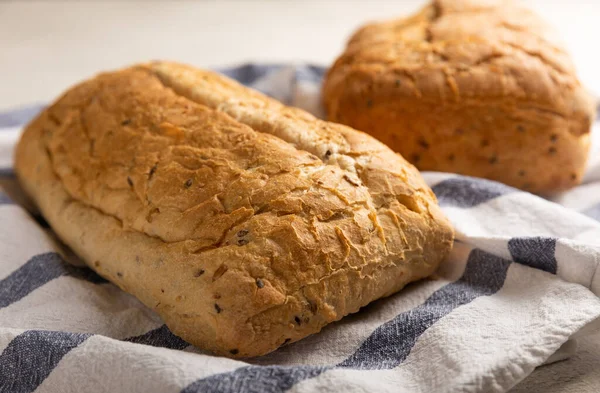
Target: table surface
<point>47,46</point>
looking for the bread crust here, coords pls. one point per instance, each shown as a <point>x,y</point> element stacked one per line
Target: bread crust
<point>243,223</point>
<point>478,88</point>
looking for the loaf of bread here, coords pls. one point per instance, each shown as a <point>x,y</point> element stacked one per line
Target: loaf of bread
<point>471,87</point>
<point>243,223</point>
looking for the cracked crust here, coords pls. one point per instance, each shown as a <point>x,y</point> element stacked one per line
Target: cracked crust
<point>471,87</point>
<point>243,223</point>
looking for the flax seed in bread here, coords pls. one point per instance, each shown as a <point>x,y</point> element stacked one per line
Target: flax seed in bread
<point>243,223</point>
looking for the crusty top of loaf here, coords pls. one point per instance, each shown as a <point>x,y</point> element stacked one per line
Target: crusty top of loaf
<point>467,52</point>
<point>247,194</point>
<point>186,155</point>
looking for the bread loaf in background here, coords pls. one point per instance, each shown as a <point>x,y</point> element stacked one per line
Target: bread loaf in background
<point>243,223</point>
<point>481,88</point>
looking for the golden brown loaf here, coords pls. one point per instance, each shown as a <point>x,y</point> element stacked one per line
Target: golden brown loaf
<point>478,88</point>
<point>245,224</point>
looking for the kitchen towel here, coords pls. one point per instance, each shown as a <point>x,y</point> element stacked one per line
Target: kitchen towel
<point>519,286</point>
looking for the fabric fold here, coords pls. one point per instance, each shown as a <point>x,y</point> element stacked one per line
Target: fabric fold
<point>520,286</point>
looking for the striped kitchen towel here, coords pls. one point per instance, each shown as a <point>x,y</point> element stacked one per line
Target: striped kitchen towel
<point>518,288</point>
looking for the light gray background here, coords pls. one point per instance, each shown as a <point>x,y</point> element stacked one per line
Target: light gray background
<point>46,46</point>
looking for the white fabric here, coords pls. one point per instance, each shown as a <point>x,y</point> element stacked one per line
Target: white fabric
<point>521,281</point>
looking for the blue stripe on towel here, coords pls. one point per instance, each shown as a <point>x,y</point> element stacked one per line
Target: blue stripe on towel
<point>5,199</point>
<point>31,356</point>
<point>7,172</point>
<point>536,252</point>
<point>159,337</point>
<point>468,192</point>
<point>249,73</point>
<point>20,116</point>
<point>38,271</point>
<point>386,347</point>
